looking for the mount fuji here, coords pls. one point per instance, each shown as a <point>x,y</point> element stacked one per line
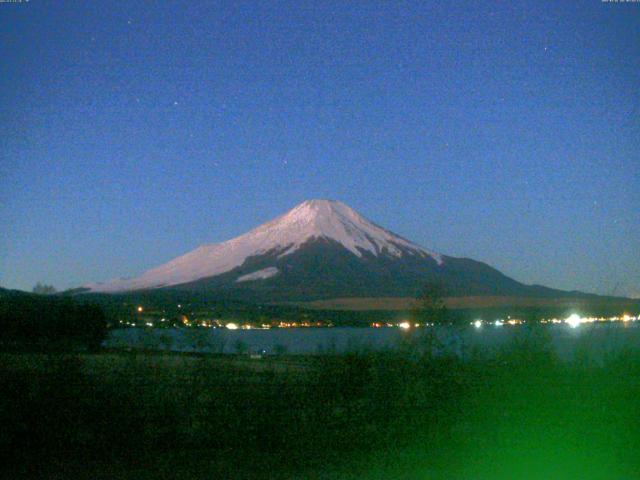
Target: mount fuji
<point>321,249</point>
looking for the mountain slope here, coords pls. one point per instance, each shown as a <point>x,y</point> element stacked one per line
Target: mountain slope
<point>313,219</point>
<point>322,249</point>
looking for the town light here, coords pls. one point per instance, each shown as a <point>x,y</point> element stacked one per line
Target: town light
<point>573,320</point>
<point>404,325</point>
<point>477,323</point>
<point>232,326</point>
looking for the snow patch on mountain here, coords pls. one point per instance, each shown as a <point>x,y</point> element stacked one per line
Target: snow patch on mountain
<point>259,275</point>
<point>312,219</point>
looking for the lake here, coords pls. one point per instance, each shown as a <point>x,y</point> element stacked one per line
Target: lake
<point>598,339</point>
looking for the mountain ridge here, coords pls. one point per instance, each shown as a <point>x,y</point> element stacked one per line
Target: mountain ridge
<point>322,249</point>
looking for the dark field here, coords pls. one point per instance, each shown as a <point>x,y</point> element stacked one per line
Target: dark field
<point>510,304</point>
<point>521,414</point>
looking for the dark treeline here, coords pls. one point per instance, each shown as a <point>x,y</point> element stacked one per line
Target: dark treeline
<point>31,321</point>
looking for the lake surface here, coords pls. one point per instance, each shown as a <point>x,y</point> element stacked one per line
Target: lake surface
<point>598,339</point>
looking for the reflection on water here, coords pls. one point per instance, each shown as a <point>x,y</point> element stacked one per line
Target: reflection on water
<point>598,339</point>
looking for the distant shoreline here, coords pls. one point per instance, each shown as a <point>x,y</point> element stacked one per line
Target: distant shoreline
<point>407,303</point>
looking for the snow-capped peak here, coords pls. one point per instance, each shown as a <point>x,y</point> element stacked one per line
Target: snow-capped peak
<point>312,219</point>
<point>335,221</point>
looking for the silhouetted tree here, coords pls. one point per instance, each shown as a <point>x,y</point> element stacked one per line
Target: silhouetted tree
<point>50,322</point>
<point>430,307</point>
<point>42,289</point>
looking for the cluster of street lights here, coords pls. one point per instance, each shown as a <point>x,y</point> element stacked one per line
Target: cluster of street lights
<point>574,320</point>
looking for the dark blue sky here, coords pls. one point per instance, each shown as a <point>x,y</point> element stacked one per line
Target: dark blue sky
<point>508,132</point>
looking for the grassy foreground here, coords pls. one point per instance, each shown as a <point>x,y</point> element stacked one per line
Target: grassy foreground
<point>521,414</point>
